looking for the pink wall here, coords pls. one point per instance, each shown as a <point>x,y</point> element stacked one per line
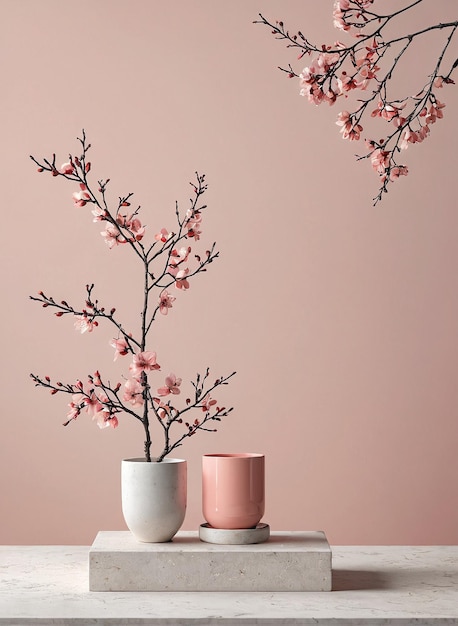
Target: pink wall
<point>341,319</point>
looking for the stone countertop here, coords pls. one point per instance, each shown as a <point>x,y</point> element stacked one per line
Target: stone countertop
<point>372,585</point>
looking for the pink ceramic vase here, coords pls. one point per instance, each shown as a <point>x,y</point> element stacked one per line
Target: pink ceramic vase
<point>233,490</point>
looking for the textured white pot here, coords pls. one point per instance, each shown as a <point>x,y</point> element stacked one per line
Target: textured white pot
<point>154,498</point>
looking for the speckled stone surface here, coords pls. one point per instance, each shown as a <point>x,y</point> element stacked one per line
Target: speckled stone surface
<point>288,561</point>
<point>372,586</point>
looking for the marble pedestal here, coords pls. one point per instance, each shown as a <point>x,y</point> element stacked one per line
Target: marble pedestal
<point>288,561</point>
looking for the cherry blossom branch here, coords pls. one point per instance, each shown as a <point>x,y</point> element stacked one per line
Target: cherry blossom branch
<point>99,399</point>
<point>77,170</point>
<point>86,318</point>
<point>164,266</point>
<point>169,415</point>
<point>339,70</point>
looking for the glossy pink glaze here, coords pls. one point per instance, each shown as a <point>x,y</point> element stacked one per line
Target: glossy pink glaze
<point>233,489</point>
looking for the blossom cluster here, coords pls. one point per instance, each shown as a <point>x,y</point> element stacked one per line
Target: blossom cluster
<point>364,69</point>
<point>167,264</point>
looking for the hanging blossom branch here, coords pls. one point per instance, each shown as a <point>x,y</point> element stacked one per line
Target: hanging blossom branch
<point>365,69</point>
<point>166,263</point>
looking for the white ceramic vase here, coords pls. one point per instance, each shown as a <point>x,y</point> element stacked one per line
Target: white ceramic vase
<point>154,498</point>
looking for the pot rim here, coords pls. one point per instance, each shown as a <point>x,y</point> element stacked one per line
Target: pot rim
<point>153,460</point>
<point>235,455</point>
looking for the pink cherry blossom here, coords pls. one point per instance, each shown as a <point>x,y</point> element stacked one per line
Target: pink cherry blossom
<point>316,94</point>
<point>325,61</point>
<point>93,404</point>
<point>407,136</point>
<point>435,112</point>
<point>81,198</point>
<point>423,132</point>
<point>133,392</point>
<point>163,235</point>
<point>343,118</point>
<point>388,111</point>
<point>163,409</point>
<point>365,73</point>
<point>179,256</point>
<point>340,6</point>
<point>143,362</point>
<point>78,398</point>
<point>345,83</point>
<point>193,223</point>
<point>112,236</point>
<point>83,323</point>
<point>398,170</point>
<point>380,160</point>
<point>194,233</point>
<point>307,75</point>
<point>349,129</point>
<point>193,217</point>
<point>99,214</point>
<point>102,418</point>
<point>76,405</point>
<point>207,404</point>
<point>172,384</point>
<point>181,281</point>
<point>67,168</point>
<point>399,121</point>
<point>165,302</point>
<point>73,413</point>
<point>121,347</point>
<point>133,224</point>
<point>310,87</point>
